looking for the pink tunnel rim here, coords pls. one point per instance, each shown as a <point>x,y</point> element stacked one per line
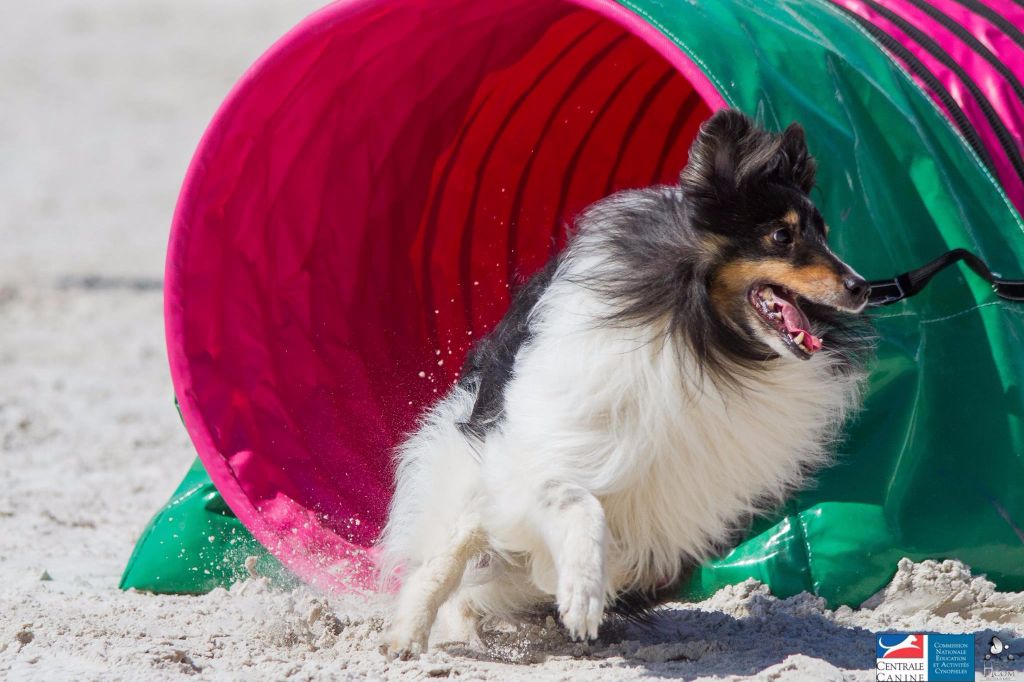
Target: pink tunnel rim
<point>183,223</point>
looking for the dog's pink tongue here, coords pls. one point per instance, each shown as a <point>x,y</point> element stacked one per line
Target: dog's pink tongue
<point>795,323</point>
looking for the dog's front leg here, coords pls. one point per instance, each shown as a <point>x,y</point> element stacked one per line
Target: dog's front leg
<point>572,523</point>
<point>427,587</point>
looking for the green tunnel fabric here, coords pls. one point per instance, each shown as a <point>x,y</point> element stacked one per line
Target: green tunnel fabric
<point>933,466</point>
<point>195,543</point>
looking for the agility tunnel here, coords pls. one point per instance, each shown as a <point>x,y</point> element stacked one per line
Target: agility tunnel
<point>377,183</point>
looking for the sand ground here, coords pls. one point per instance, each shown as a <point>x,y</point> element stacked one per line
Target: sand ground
<point>102,105</point>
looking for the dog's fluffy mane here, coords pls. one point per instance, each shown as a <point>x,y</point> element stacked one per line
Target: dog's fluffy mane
<point>614,371</point>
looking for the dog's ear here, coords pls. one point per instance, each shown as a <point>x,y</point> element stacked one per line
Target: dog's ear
<point>798,164</point>
<point>711,174</point>
<point>732,155</point>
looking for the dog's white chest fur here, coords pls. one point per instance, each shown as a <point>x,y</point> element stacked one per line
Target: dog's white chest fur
<point>675,460</point>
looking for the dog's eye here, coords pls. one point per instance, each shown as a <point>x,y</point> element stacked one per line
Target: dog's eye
<point>783,236</point>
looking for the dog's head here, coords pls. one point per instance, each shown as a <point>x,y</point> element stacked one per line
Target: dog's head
<point>771,277</point>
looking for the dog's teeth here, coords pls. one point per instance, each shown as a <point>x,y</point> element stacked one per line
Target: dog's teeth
<point>799,338</point>
<point>768,295</point>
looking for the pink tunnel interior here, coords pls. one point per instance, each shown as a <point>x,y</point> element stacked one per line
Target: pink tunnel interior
<point>357,216</point>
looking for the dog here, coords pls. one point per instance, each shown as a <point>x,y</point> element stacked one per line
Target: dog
<point>684,363</point>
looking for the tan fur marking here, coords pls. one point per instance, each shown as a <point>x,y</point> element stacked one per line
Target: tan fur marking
<point>791,218</point>
<point>817,282</point>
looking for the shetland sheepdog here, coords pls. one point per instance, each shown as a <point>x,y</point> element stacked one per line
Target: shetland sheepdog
<point>684,363</point>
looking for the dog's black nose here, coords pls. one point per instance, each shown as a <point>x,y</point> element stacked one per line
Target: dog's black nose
<point>857,287</point>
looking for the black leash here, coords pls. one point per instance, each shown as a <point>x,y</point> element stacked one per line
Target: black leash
<point>888,291</point>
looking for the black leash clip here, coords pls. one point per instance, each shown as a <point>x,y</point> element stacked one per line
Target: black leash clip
<point>889,291</point>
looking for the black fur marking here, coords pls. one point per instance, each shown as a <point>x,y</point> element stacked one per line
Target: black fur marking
<point>640,606</point>
<point>732,157</point>
<point>490,362</point>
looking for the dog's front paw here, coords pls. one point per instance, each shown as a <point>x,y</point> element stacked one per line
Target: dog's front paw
<point>403,643</point>
<point>581,606</point>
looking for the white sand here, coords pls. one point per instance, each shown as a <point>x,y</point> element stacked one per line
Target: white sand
<point>103,102</point>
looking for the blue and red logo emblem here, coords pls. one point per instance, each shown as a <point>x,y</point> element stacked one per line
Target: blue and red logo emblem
<point>900,646</point>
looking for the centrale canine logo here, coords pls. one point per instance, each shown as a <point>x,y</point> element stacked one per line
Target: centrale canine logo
<point>906,657</point>
<point>901,656</point>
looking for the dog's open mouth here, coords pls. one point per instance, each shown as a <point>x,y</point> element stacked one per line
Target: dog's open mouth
<point>779,310</point>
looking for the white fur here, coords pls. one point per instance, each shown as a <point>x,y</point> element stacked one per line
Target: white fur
<point>617,464</point>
